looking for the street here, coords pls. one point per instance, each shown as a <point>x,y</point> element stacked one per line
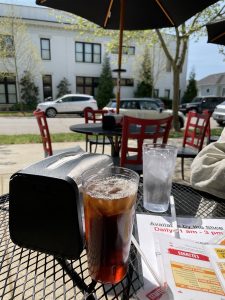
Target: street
<point>26,125</point>
<point>60,124</point>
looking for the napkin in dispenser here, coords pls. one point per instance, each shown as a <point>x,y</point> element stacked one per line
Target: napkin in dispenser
<point>44,204</point>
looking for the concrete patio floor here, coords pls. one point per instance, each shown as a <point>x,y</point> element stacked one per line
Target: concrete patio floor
<point>15,157</point>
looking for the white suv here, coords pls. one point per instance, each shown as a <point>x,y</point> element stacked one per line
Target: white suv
<point>71,103</point>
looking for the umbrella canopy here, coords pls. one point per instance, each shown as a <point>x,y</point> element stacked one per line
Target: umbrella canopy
<point>216,32</point>
<point>131,15</point>
<point>140,14</point>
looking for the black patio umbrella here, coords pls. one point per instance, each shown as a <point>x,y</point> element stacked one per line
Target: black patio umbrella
<point>216,32</point>
<point>131,15</point>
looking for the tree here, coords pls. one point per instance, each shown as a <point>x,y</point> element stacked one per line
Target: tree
<point>105,87</point>
<point>29,91</point>
<point>193,27</point>
<point>17,52</point>
<point>63,87</point>
<point>144,87</point>
<point>191,90</point>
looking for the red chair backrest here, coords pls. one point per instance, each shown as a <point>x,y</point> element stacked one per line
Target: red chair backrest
<point>94,116</point>
<point>195,130</point>
<point>43,126</point>
<point>208,130</point>
<point>140,129</point>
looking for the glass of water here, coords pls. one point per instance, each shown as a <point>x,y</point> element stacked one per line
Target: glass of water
<point>159,162</point>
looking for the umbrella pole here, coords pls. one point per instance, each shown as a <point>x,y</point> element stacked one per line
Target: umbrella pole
<point>122,12</point>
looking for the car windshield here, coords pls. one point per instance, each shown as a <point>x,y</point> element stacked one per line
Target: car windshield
<point>196,100</point>
<point>112,104</point>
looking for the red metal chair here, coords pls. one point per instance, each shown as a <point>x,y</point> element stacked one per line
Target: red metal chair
<point>45,135</point>
<point>194,136</point>
<point>134,132</point>
<point>211,138</point>
<point>95,116</point>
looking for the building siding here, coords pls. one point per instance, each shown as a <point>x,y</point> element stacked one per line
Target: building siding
<point>41,23</point>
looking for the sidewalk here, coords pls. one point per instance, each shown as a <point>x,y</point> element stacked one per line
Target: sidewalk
<point>16,157</point>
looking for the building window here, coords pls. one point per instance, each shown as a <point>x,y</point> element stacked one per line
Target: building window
<point>168,65</point>
<point>6,45</point>
<point>167,93</point>
<point>45,49</point>
<point>87,85</point>
<point>88,52</point>
<point>8,90</point>
<point>127,50</point>
<point>156,92</point>
<point>47,86</point>
<point>124,81</point>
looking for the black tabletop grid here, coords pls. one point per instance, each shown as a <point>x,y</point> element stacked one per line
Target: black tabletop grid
<point>27,274</point>
<point>189,202</point>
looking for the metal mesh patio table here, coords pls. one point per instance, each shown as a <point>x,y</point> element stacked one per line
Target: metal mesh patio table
<point>27,274</point>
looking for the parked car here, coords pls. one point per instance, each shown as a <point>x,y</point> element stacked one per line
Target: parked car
<point>219,113</point>
<point>70,103</point>
<point>146,108</point>
<point>158,101</point>
<point>198,104</point>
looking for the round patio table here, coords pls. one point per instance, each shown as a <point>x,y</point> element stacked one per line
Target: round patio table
<point>96,129</point>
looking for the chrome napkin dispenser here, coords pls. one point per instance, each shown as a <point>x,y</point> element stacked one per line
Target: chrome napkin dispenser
<point>44,206</point>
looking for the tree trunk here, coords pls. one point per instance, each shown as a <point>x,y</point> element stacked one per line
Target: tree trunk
<point>176,97</point>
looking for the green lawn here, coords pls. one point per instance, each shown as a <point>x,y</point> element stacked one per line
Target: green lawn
<point>35,138</point>
<point>15,114</point>
<point>69,137</point>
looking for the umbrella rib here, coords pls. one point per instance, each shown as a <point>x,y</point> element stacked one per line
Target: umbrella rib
<point>218,36</point>
<point>165,12</point>
<point>108,13</point>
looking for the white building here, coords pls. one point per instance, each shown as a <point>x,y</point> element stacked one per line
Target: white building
<point>77,57</point>
<point>212,85</point>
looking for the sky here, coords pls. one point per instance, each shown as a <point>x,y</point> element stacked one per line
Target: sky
<point>203,58</point>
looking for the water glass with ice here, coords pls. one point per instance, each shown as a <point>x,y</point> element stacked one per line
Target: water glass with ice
<point>158,167</point>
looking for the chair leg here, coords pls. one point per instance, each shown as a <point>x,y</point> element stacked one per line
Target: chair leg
<point>96,144</point>
<point>90,145</point>
<point>182,167</point>
<point>103,144</point>
<point>86,143</point>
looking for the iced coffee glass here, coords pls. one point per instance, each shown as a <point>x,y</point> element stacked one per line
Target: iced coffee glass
<point>109,207</point>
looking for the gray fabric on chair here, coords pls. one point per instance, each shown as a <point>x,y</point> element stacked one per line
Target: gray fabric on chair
<point>208,169</point>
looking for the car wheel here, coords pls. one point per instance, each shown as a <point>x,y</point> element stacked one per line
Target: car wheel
<point>51,113</point>
<point>220,123</point>
<point>181,122</point>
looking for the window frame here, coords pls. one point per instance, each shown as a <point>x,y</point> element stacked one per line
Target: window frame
<point>4,46</point>
<point>124,82</point>
<point>44,50</point>
<point>92,53</point>
<point>6,81</point>
<point>125,50</point>
<point>50,85</point>
<point>83,84</point>
<point>167,93</point>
